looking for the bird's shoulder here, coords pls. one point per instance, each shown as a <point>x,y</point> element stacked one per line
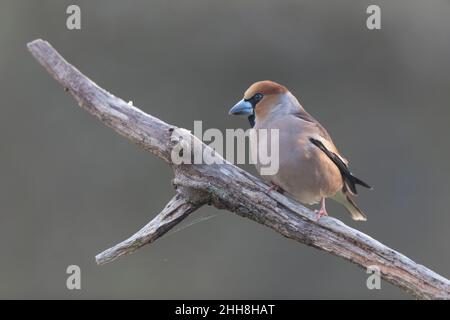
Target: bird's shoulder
<point>315,130</point>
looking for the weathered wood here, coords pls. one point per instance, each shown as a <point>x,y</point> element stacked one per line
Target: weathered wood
<point>228,187</point>
<point>178,208</point>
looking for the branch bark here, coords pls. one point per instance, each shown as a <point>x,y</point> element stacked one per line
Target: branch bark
<point>228,187</point>
<point>178,208</point>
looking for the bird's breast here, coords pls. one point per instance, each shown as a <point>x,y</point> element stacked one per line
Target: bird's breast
<point>304,171</point>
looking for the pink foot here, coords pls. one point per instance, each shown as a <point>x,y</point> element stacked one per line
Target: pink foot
<point>322,211</point>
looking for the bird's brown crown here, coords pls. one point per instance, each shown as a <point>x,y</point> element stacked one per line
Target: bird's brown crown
<point>266,87</point>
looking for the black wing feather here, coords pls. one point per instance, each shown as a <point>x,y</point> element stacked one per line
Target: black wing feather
<point>350,180</point>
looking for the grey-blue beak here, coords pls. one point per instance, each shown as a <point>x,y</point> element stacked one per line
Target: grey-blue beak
<point>242,108</point>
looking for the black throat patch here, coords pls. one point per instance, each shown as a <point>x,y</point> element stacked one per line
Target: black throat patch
<point>251,119</point>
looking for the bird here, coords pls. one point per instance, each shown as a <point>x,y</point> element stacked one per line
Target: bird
<point>311,169</point>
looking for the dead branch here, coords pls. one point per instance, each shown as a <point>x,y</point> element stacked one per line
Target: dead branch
<point>228,187</point>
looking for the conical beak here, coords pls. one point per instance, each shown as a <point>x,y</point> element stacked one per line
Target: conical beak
<point>242,108</point>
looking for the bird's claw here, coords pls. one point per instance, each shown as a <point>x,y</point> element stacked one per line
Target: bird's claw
<point>320,213</point>
<point>275,187</point>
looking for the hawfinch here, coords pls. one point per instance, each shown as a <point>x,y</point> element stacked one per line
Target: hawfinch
<point>311,168</point>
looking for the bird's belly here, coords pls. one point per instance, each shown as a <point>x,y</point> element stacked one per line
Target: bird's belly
<point>306,174</point>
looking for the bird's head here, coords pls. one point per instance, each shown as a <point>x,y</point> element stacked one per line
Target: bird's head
<point>259,99</point>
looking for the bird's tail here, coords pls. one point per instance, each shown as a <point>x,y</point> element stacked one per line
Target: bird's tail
<point>345,199</point>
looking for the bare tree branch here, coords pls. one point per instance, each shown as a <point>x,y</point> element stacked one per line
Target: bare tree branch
<point>228,187</point>
<point>178,208</point>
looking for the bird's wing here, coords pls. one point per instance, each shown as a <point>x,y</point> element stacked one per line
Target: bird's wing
<point>322,140</point>
<point>320,133</point>
<point>350,181</point>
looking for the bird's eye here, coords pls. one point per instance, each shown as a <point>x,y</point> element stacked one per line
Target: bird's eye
<point>258,96</point>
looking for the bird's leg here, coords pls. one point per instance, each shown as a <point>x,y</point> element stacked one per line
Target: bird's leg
<point>275,187</point>
<point>322,211</point>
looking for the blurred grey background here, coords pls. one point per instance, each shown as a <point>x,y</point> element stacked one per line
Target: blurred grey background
<point>70,187</point>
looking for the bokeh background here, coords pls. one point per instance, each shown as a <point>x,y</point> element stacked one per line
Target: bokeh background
<point>70,187</point>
